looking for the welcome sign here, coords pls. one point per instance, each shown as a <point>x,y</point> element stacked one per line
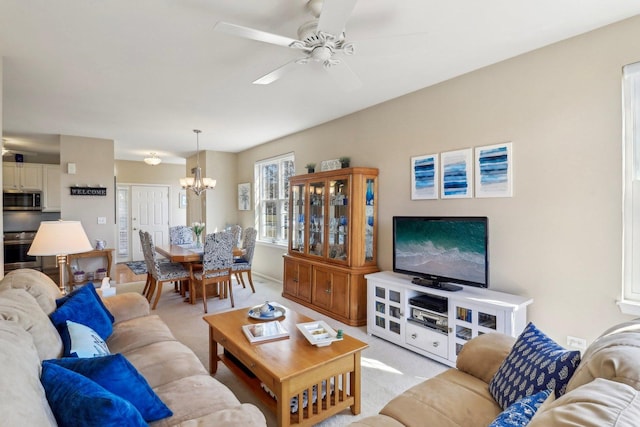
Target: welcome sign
<point>88,191</point>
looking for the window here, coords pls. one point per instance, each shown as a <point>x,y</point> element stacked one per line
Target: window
<point>272,198</point>
<point>630,303</point>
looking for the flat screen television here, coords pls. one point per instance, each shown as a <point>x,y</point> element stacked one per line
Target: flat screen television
<point>442,251</point>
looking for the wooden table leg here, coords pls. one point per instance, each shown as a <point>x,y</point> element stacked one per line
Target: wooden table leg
<point>213,353</point>
<point>284,405</point>
<point>354,382</point>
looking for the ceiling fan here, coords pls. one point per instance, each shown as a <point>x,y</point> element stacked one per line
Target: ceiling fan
<point>322,40</point>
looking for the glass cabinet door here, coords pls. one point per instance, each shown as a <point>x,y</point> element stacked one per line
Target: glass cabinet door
<point>369,219</point>
<point>316,218</point>
<point>338,219</point>
<point>297,218</point>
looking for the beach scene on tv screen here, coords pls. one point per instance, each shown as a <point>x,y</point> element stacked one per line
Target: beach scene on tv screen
<point>454,249</point>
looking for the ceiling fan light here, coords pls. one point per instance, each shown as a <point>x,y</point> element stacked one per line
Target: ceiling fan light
<point>154,160</point>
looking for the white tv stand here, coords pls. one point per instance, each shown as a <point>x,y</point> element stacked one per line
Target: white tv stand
<point>440,335</point>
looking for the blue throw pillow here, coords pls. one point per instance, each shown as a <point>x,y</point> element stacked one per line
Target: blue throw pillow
<point>77,401</point>
<point>82,341</point>
<point>84,306</point>
<point>121,378</point>
<point>520,413</point>
<point>535,363</point>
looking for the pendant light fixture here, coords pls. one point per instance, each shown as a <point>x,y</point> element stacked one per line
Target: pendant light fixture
<point>154,160</point>
<point>197,183</point>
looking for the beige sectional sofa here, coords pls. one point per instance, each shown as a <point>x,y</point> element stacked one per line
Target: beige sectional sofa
<point>171,369</point>
<point>602,392</point>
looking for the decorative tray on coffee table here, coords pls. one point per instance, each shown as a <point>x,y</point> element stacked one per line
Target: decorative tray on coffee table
<point>318,333</point>
<point>277,312</point>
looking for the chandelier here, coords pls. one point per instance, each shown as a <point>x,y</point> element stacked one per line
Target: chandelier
<point>154,160</point>
<point>197,183</point>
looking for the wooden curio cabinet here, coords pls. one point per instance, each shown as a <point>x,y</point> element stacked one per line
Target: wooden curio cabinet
<point>332,241</point>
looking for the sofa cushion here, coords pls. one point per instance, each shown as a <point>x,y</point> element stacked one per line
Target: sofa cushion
<point>117,375</point>
<point>18,306</point>
<point>520,413</point>
<point>206,395</point>
<point>165,362</point>
<point>23,401</point>
<point>483,355</point>
<point>36,283</point>
<point>600,403</point>
<point>138,332</point>
<point>438,400</point>
<point>535,363</point>
<point>82,341</point>
<point>78,401</point>
<point>84,306</point>
<point>615,355</point>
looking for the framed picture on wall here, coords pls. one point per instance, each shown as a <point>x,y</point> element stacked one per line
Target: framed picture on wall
<point>424,177</point>
<point>182,199</point>
<point>457,178</point>
<point>494,171</point>
<point>244,196</point>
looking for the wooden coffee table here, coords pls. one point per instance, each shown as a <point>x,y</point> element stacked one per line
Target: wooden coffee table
<point>288,367</point>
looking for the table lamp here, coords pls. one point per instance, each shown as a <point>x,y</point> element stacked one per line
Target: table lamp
<point>60,238</point>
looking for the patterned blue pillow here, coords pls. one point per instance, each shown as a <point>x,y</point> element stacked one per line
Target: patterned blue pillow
<point>121,378</point>
<point>520,413</point>
<point>77,401</point>
<point>535,363</point>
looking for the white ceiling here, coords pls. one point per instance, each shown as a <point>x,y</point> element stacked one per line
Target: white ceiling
<point>145,73</point>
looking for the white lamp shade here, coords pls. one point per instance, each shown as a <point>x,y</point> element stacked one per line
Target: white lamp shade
<point>60,238</point>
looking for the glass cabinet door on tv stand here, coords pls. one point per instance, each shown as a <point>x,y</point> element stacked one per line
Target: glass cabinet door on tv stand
<point>333,231</point>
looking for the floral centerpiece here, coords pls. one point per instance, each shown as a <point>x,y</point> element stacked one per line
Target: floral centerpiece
<point>198,228</point>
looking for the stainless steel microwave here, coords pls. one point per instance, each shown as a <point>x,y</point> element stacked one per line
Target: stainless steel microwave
<point>22,201</point>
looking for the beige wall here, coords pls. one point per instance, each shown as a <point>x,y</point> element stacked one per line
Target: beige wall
<point>94,167</point>
<point>558,240</point>
<point>130,172</point>
<point>217,207</point>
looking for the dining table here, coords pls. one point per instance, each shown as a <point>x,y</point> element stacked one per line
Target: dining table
<point>189,253</point>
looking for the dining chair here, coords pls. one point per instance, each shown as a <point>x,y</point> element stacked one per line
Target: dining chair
<point>217,260</point>
<point>236,232</point>
<point>180,235</point>
<point>161,272</point>
<point>243,264</point>
<point>147,284</point>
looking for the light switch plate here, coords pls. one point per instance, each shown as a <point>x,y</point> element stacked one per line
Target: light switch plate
<point>102,220</point>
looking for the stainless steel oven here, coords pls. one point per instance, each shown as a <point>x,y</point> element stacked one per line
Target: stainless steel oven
<point>16,246</point>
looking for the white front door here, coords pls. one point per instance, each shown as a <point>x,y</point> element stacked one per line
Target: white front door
<point>149,212</point>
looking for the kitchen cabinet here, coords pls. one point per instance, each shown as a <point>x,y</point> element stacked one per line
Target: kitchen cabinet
<point>22,176</point>
<point>51,196</point>
<point>332,241</point>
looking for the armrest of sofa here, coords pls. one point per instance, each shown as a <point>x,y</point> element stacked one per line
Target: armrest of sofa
<point>127,306</point>
<point>483,355</point>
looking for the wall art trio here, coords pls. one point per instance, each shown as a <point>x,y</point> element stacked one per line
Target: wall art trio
<point>450,175</point>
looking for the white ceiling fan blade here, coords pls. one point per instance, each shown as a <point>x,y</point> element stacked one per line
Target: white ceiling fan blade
<point>334,16</point>
<point>278,72</point>
<point>391,45</point>
<point>344,76</point>
<point>253,34</point>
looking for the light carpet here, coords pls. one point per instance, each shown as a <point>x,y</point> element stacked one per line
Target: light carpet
<point>387,370</point>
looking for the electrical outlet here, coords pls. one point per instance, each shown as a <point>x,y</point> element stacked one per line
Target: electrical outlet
<point>579,343</point>
<point>102,220</point>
